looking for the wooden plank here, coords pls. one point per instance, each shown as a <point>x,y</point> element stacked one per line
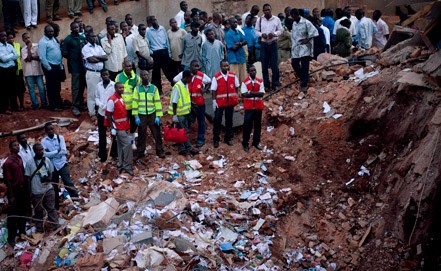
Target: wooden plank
<point>417,15</point>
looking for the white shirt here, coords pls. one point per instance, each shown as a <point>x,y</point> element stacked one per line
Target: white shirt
<point>239,28</point>
<point>337,25</point>
<point>244,89</point>
<point>354,22</point>
<point>175,93</point>
<point>225,76</point>
<point>134,29</point>
<point>88,51</point>
<point>265,26</point>
<point>102,95</point>
<point>115,52</point>
<point>180,18</point>
<point>32,68</point>
<point>26,154</point>
<point>304,29</point>
<point>366,30</point>
<point>244,16</point>
<point>205,78</point>
<point>382,30</point>
<point>327,34</point>
<point>131,55</point>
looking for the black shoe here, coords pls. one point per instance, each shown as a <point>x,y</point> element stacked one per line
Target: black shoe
<point>246,148</point>
<point>33,26</point>
<point>229,142</point>
<point>200,144</point>
<point>71,16</point>
<point>258,147</point>
<point>183,152</point>
<point>216,144</point>
<point>194,152</point>
<point>105,9</point>
<point>79,14</point>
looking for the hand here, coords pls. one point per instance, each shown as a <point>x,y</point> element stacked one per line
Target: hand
<point>264,36</point>
<point>158,121</point>
<point>113,131</point>
<point>303,41</point>
<point>137,121</point>
<point>271,35</point>
<point>150,60</point>
<point>214,105</point>
<point>175,118</point>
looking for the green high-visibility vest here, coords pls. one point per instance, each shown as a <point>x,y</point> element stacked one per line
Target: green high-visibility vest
<point>184,102</point>
<point>146,101</point>
<point>129,86</point>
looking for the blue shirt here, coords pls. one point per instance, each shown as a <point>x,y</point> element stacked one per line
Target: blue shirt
<point>231,38</point>
<point>49,52</point>
<point>7,55</point>
<point>158,39</point>
<point>329,23</point>
<point>51,147</point>
<point>251,37</point>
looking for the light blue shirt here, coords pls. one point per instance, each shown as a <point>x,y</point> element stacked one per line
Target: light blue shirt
<point>51,146</point>
<point>365,32</point>
<point>158,39</point>
<point>49,52</point>
<point>7,55</point>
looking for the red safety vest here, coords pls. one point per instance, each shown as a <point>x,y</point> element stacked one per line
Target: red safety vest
<point>119,114</point>
<point>195,88</point>
<point>226,90</point>
<point>255,102</point>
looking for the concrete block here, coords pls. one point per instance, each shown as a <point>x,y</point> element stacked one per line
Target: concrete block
<point>99,215</point>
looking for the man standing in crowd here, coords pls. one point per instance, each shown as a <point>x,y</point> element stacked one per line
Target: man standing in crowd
<point>216,26</point>
<point>236,56</point>
<point>319,44</point>
<point>252,93</point>
<point>224,87</point>
<point>143,60</point>
<point>32,71</point>
<point>55,149</point>
<point>175,36</point>
<point>30,10</point>
<point>180,16</point>
<point>94,58</point>
<point>74,8</point>
<point>116,119</point>
<point>269,27</point>
<point>303,32</point>
<point>90,5</point>
<point>199,83</point>
<point>38,172</point>
<point>105,88</point>
<point>26,153</point>
<point>366,30</point>
<point>180,107</point>
<point>285,41</point>
<point>251,39</point>
<point>53,69</point>
<point>192,43</point>
<point>52,7</point>
<point>253,12</point>
<point>382,33</point>
<point>115,48</point>
<point>212,54</point>
<point>71,50</point>
<point>158,39</point>
<point>132,27</point>
<point>147,110</point>
<point>19,80</point>
<point>8,69</point>
<point>17,192</point>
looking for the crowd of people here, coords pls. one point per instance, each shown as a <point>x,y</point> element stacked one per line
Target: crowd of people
<point>121,68</point>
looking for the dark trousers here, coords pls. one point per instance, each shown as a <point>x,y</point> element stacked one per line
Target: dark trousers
<point>132,122</point>
<point>78,86</point>
<point>9,89</point>
<point>301,67</point>
<point>252,119</point>
<point>90,4</point>
<point>21,89</point>
<point>21,207</point>
<point>201,123</point>
<point>53,86</point>
<point>148,120</point>
<point>174,68</point>
<point>52,7</point>
<point>113,75</point>
<point>102,142</point>
<point>161,61</point>
<point>11,12</point>
<point>269,55</point>
<point>68,184</point>
<point>228,123</point>
<point>185,123</point>
<point>46,202</point>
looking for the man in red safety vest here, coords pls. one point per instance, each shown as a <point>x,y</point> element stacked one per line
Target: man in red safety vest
<point>224,87</point>
<point>118,122</point>
<point>252,92</point>
<point>199,83</point>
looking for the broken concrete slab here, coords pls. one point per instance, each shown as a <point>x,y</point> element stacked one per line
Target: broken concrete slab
<point>328,75</point>
<point>145,237</point>
<point>413,79</point>
<point>111,243</point>
<point>99,215</point>
<point>167,195</point>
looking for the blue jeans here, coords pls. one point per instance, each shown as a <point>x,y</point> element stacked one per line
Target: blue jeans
<point>31,81</point>
<point>201,123</point>
<point>269,55</point>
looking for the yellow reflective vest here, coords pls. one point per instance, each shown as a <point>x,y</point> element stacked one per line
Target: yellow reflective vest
<point>184,102</point>
<point>129,86</point>
<point>146,101</point>
<point>18,51</point>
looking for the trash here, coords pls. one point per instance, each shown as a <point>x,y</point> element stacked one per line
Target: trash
<point>145,237</point>
<point>269,128</point>
<point>99,216</point>
<point>154,256</point>
<point>111,243</point>
<point>291,131</point>
<point>259,224</point>
<point>220,163</point>
<point>225,247</point>
<point>227,235</point>
<point>194,164</point>
<point>192,175</point>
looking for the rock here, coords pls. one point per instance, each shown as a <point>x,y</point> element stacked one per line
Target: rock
<point>351,202</point>
<point>436,119</point>
<point>366,234</point>
<point>416,52</point>
<point>329,59</point>
<point>145,237</point>
<point>3,255</point>
<point>166,194</point>
<point>341,215</point>
<point>328,75</point>
<point>368,99</point>
<point>99,215</point>
<point>111,243</point>
<point>413,78</point>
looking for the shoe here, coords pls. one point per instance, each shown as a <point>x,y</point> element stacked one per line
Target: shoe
<point>129,171</point>
<point>183,152</point>
<point>194,152</point>
<point>104,9</point>
<point>200,144</point>
<point>33,26</point>
<point>304,89</point>
<point>116,3</point>
<point>91,11</point>
<point>246,148</point>
<point>49,20</point>
<point>229,142</point>
<point>161,155</point>
<point>71,16</point>
<point>258,147</point>
<point>57,18</point>
<point>216,144</point>
<point>28,27</point>
<point>79,14</point>
<point>76,112</point>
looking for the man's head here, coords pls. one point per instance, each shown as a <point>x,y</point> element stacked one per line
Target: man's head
<point>129,19</point>
<point>119,88</point>
<point>316,13</point>
<point>124,27</point>
<point>194,66</point>
<point>48,31</point>
<point>288,23</point>
<point>267,10</point>
<point>144,77</point>
<point>217,18</point>
<point>346,23</point>
<point>49,129</point>
<point>249,20</point>
<point>224,66</point>
<point>88,29</point>
<point>255,10</point>
<point>183,5</point>
<point>80,23</point>
<point>287,11</point>
<point>92,38</point>
<point>3,36</point>
<point>111,30</point>
<point>316,21</point>
<point>195,27</point>
<point>339,13</point>
<point>153,22</point>
<point>26,38</point>
<point>57,29</point>
<point>359,13</point>
<point>187,17</point>
<point>14,147</point>
<point>227,25</point>
<point>11,37</point>
<point>195,14</point>
<point>233,23</point>
<point>203,15</point>
<point>238,19</point>
<point>38,150</point>
<point>281,16</point>
<point>173,24</point>
<point>127,66</point>
<point>142,29</point>
<point>116,24</point>
<point>186,77</point>
<point>377,15</point>
<point>105,76</point>
<point>108,20</point>
<point>74,29</point>
<point>252,71</point>
<point>295,15</point>
<point>210,35</point>
<point>21,138</point>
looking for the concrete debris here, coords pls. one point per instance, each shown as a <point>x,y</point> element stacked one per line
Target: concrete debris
<point>99,216</point>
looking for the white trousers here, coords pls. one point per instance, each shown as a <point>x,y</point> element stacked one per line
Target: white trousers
<point>92,80</point>
<point>30,8</point>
